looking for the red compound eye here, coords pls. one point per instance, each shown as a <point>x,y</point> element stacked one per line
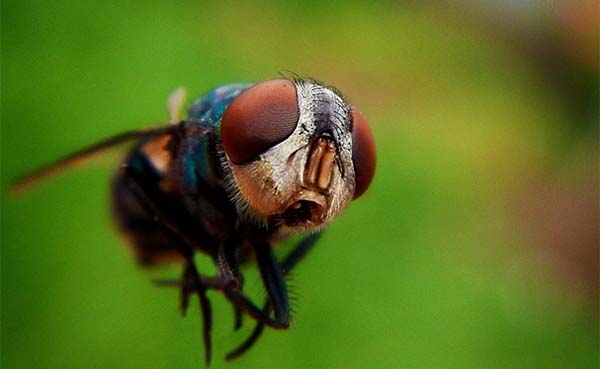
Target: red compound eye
<point>363,153</point>
<point>258,119</point>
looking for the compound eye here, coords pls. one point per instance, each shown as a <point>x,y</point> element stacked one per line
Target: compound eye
<point>363,153</point>
<point>258,119</point>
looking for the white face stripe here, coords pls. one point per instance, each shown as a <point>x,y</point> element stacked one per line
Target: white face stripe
<point>315,103</point>
<point>320,105</point>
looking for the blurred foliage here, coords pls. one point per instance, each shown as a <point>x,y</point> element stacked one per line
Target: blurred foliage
<point>476,247</point>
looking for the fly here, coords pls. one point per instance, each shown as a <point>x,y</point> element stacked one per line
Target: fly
<point>250,165</point>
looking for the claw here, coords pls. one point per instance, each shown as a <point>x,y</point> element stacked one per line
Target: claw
<point>191,283</point>
<point>247,344</point>
<point>238,319</point>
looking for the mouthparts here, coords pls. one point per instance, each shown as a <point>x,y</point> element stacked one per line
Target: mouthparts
<point>319,166</point>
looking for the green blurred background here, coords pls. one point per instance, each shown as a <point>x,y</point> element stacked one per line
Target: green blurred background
<point>476,246</point>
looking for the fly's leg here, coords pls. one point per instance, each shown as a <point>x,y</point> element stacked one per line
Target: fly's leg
<point>238,300</point>
<point>193,282</point>
<point>227,263</point>
<point>250,341</point>
<point>237,318</point>
<point>287,264</point>
<point>191,274</point>
<point>272,277</point>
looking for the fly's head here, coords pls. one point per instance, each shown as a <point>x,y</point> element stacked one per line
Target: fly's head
<point>297,153</point>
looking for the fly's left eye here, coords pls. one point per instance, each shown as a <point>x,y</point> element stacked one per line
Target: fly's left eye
<point>363,153</point>
<point>258,119</point>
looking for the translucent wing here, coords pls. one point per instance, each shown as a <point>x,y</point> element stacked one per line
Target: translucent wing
<point>78,157</point>
<point>176,103</point>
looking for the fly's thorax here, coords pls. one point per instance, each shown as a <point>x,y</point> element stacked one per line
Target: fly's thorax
<point>303,182</point>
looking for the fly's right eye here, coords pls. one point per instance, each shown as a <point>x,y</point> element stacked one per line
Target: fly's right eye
<point>363,153</point>
<point>258,119</point>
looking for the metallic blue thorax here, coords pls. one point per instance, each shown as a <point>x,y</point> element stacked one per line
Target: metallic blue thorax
<point>207,111</point>
<point>211,106</point>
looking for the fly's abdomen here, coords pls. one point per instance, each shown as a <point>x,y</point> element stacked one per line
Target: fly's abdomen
<point>135,213</point>
<point>150,243</point>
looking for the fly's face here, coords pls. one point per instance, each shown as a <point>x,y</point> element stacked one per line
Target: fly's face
<point>297,151</point>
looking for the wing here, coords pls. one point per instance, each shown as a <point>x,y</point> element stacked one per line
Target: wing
<point>78,157</point>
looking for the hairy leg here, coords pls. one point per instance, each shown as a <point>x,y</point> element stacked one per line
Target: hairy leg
<point>287,264</point>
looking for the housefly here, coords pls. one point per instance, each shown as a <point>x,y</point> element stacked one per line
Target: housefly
<point>250,165</point>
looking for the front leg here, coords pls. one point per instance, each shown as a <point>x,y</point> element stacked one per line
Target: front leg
<point>227,263</point>
<point>287,264</point>
<point>272,277</point>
